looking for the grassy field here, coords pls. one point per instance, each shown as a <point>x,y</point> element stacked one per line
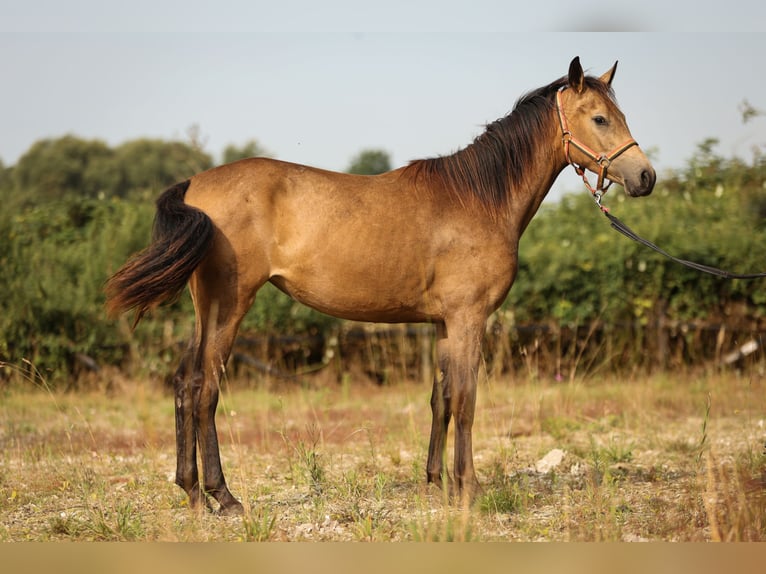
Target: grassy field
<point>647,458</point>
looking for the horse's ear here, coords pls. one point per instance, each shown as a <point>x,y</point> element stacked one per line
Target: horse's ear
<point>609,75</point>
<point>576,75</point>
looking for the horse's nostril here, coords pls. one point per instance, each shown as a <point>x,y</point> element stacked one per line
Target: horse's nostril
<point>647,178</point>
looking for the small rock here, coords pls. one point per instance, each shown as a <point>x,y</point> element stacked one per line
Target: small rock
<point>550,461</point>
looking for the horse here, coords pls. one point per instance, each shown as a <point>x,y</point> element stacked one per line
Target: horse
<point>434,241</point>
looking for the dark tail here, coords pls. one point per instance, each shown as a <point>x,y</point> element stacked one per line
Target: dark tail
<point>181,237</point>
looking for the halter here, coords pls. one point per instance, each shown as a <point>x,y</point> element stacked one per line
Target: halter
<point>604,160</point>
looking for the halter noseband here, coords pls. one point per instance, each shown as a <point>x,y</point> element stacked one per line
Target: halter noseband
<point>604,160</point>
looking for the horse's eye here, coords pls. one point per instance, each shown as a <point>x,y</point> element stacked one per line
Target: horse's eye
<point>600,120</point>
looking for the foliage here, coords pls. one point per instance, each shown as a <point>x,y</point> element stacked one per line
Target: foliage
<point>250,149</point>
<point>84,208</point>
<point>575,269</point>
<point>55,258</point>
<point>370,162</point>
<point>76,209</point>
<point>72,168</point>
<point>53,168</point>
<point>147,165</point>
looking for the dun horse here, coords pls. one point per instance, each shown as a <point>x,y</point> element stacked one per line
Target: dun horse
<point>435,241</point>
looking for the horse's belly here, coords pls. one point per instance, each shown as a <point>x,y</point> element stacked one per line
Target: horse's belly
<point>363,296</point>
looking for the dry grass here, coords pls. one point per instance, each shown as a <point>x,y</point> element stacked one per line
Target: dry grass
<point>651,458</point>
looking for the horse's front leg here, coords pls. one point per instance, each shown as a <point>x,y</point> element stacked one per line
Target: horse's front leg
<point>441,412</point>
<point>465,351</point>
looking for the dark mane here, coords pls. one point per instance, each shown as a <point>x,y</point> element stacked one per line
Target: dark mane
<point>496,162</point>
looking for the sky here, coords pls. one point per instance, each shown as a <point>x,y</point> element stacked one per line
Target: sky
<point>317,82</point>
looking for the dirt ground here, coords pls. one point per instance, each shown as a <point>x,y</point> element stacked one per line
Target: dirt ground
<point>659,458</point>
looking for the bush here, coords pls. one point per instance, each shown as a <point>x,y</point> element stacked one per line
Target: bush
<point>55,259</point>
<point>574,270</point>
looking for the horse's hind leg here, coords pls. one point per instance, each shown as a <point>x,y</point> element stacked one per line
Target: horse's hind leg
<point>187,475</point>
<point>220,304</point>
<point>197,384</point>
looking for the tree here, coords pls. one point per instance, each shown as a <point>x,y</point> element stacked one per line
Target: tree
<point>6,183</point>
<point>74,168</point>
<point>370,162</point>
<point>251,148</point>
<point>151,164</point>
<point>66,166</point>
<point>749,111</point>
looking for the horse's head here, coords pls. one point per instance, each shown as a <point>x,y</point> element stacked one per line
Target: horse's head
<point>596,136</point>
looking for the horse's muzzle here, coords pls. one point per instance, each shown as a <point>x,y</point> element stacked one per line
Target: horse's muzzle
<point>641,185</point>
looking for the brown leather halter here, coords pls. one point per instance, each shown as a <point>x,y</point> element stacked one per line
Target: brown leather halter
<point>604,160</point>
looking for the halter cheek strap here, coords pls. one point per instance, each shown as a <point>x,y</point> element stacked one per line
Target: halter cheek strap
<point>604,160</point>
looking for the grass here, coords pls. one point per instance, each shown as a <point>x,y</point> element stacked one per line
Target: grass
<point>651,458</point>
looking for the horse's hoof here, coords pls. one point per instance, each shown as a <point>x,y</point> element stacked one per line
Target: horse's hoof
<point>469,493</point>
<point>233,508</point>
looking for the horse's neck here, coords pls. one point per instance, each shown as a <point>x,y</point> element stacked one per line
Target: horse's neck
<point>526,198</point>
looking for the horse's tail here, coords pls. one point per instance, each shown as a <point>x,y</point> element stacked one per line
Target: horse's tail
<point>181,237</point>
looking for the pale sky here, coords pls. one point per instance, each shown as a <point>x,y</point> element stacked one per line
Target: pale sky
<point>316,82</point>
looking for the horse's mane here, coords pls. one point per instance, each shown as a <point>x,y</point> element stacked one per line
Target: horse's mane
<point>499,159</point>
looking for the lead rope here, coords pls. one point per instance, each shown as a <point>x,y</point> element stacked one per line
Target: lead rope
<point>629,233</point>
